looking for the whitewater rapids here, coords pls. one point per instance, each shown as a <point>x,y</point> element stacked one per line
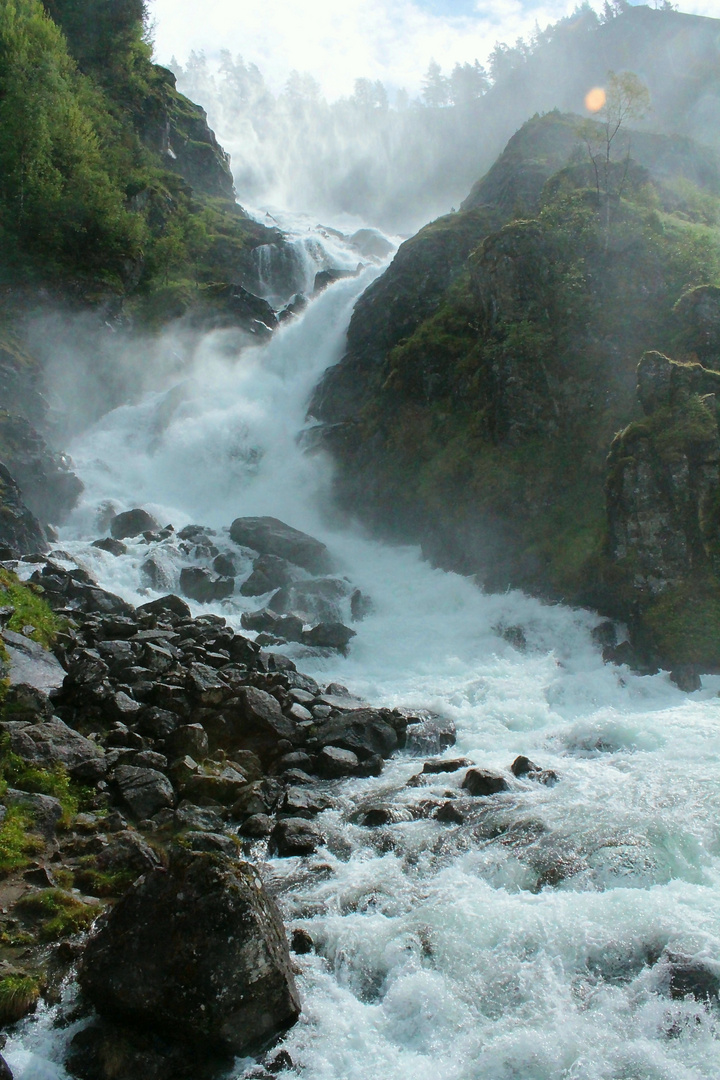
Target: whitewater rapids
<point>527,944</point>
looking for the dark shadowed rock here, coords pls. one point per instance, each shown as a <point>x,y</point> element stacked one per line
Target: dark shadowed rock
<point>132,523</point>
<point>334,762</point>
<point>259,723</point>
<point>332,635</point>
<point>19,528</point>
<point>171,605</point>
<point>269,536</point>
<point>199,584</point>
<point>198,953</point>
<point>269,572</point>
<point>144,791</point>
<point>318,600</point>
<point>445,765</point>
<point>364,732</point>
<point>302,943</point>
<point>51,743</point>
<point>113,547</point>
<point>6,1071</point>
<point>294,836</point>
<point>482,782</point>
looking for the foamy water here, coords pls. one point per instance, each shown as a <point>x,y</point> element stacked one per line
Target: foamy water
<point>526,944</point>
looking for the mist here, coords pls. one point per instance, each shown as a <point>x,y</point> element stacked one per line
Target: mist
<point>397,162</point>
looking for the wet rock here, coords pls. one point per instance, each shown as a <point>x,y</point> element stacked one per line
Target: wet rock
<point>260,797</point>
<point>198,953</point>
<point>294,836</point>
<point>686,678</point>
<point>318,600</point>
<point>225,565</point>
<point>605,634</point>
<point>697,978</point>
<point>5,1070</point>
<point>304,803</point>
<point>323,278</point>
<point>154,575</point>
<point>205,686</point>
<point>223,786</point>
<point>200,585</point>
<point>298,759</point>
<point>209,841</point>
<point>449,814</point>
<point>144,791</point>
<point>257,826</point>
<point>334,762</point>
<point>515,636</point>
<point>445,765</point>
<point>302,942</point>
<point>360,606</point>
<point>112,1051</point>
<point>377,816</point>
<point>265,621</point>
<point>269,572</point>
<point>26,702</point>
<point>481,782</point>
<point>166,605</point>
<point>430,734</point>
<point>126,850</point>
<point>623,653</point>
<point>524,767</point>
<point>269,536</point>
<point>332,635</point>
<point>363,731</point>
<point>132,523</point>
<point>158,723</point>
<point>259,724</point>
<point>113,547</point>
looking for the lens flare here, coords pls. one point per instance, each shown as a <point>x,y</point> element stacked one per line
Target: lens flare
<point>595,99</point>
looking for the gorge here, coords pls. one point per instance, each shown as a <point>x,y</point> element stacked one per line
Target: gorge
<point>461,774</point>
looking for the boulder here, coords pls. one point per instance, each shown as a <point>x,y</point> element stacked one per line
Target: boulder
<point>5,1070</point>
<point>45,810</point>
<point>51,743</point>
<point>333,762</point>
<point>31,664</point>
<point>482,782</point>
<point>364,732</point>
<point>269,572</point>
<point>113,547</point>
<point>317,600</point>
<point>332,635</point>
<point>132,523</point>
<point>257,722</point>
<point>196,953</point>
<point>265,621</point>
<point>269,536</point>
<point>144,791</point>
<point>203,586</point>
<point>294,836</point>
<point>166,605</point>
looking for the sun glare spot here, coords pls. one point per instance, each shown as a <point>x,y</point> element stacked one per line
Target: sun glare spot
<point>595,99</point>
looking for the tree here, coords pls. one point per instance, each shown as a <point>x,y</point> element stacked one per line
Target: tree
<point>369,95</point>
<point>626,98</point>
<point>468,83</point>
<point>435,87</point>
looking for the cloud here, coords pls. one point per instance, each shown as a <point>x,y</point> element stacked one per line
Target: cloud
<point>337,42</point>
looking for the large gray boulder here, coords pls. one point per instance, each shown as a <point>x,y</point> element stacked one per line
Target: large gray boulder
<point>198,953</point>
<point>51,743</point>
<point>132,523</point>
<point>269,536</point>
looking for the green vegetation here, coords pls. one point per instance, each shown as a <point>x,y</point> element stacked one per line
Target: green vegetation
<point>59,913</point>
<point>17,843</point>
<point>91,198</point>
<point>685,624</point>
<point>492,420</point>
<point>19,995</point>
<point>102,883</point>
<point>30,609</point>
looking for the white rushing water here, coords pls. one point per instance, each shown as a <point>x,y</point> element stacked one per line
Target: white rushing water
<point>531,942</point>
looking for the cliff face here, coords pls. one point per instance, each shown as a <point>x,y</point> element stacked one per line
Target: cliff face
<point>481,392</point>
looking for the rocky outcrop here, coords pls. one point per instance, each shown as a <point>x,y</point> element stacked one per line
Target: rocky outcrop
<point>19,528</point>
<point>50,488</point>
<point>197,953</point>
<point>662,556</point>
<point>269,536</point>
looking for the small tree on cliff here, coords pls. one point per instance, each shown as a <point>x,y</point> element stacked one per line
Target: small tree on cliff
<point>624,99</point>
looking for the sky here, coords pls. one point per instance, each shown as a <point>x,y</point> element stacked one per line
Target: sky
<point>338,41</point>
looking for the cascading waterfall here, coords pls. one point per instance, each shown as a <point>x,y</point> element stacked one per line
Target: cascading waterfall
<point>535,940</point>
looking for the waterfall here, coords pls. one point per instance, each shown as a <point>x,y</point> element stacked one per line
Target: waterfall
<point>534,941</point>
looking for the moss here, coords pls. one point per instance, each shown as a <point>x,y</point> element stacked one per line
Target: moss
<point>59,913</point>
<point>30,609</point>
<point>17,843</point>
<point>19,994</point>
<point>684,625</point>
<point>103,883</point>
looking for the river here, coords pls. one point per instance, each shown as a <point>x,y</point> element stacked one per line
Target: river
<point>535,940</point>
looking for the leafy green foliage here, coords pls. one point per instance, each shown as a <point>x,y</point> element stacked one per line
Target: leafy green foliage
<point>59,205</point>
